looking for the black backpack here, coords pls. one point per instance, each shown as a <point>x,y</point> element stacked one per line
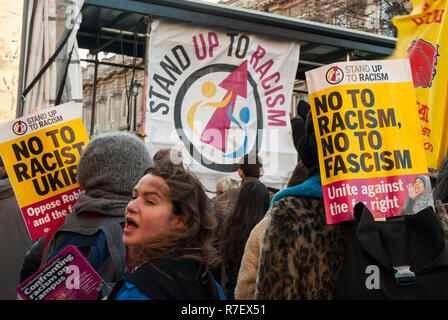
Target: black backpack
<point>403,258</point>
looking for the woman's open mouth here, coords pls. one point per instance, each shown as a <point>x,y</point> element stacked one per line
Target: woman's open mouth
<point>130,224</point>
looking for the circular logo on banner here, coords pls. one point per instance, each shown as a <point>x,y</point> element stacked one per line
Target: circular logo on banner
<point>334,75</point>
<point>19,128</point>
<point>215,117</point>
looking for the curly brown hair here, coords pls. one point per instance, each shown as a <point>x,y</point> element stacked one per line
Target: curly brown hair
<point>193,240</point>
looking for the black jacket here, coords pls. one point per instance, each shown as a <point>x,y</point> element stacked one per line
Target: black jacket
<point>165,279</point>
<point>376,247</point>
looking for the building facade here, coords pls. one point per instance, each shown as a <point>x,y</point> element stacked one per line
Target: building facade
<point>366,15</point>
<point>11,15</point>
<point>113,110</point>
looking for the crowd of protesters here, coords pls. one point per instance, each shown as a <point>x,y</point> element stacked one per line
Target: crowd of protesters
<point>148,227</point>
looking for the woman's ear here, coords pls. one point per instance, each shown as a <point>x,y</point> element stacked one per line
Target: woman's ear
<point>179,221</point>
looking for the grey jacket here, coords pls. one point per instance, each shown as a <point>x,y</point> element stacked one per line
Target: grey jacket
<point>14,243</point>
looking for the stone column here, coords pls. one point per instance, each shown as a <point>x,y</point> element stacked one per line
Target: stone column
<point>11,14</point>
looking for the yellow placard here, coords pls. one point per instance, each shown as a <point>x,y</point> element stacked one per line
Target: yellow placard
<point>43,164</point>
<point>41,152</point>
<point>423,39</point>
<point>368,137</point>
<point>367,130</point>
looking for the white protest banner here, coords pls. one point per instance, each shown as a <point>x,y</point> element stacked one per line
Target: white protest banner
<point>217,95</point>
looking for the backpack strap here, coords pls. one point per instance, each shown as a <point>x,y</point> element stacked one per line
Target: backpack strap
<point>115,290</point>
<point>88,230</point>
<point>117,250</point>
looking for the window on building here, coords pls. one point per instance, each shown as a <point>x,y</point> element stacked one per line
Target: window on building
<point>139,107</point>
<point>97,114</point>
<point>124,105</point>
<point>386,7</point>
<point>372,17</point>
<point>86,114</point>
<point>110,110</point>
<point>116,105</point>
<point>341,20</point>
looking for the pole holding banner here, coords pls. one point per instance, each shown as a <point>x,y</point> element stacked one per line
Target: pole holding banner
<point>148,21</point>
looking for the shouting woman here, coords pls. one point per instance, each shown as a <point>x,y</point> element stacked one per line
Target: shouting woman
<point>169,228</point>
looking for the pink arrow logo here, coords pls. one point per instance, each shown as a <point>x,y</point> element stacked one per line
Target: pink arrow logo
<point>215,133</point>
